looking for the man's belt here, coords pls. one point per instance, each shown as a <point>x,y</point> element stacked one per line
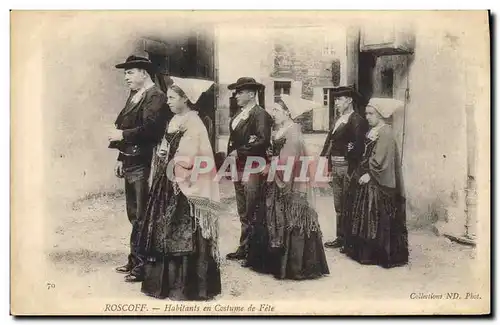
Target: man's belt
<point>128,154</point>
<point>338,159</point>
<point>132,150</point>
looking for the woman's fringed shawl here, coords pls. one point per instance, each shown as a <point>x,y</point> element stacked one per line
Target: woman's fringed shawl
<point>300,214</point>
<point>202,191</point>
<point>297,195</point>
<point>206,215</point>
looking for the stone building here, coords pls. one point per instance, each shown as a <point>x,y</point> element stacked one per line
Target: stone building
<point>298,61</point>
<point>308,62</point>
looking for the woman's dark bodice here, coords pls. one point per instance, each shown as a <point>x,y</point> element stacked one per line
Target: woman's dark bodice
<point>278,145</point>
<point>173,139</point>
<point>365,162</point>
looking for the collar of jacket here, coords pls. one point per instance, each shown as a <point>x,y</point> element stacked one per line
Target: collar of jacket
<point>138,95</point>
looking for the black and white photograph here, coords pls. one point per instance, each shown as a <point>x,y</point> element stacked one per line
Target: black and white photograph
<point>250,163</point>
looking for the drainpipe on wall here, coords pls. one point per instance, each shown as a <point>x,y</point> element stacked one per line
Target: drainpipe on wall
<point>471,202</point>
<point>471,190</point>
<point>468,237</point>
<point>469,231</point>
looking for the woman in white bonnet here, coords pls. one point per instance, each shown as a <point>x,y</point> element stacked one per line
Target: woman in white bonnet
<point>287,241</point>
<point>179,235</point>
<point>376,230</point>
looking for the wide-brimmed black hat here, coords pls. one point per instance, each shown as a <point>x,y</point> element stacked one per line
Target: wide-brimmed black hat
<point>245,83</point>
<point>138,62</point>
<point>347,91</point>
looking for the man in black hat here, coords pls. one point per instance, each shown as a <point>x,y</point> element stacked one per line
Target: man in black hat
<point>138,129</point>
<point>343,148</point>
<point>250,136</point>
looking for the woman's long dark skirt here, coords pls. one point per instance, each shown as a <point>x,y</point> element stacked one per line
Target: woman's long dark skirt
<point>301,257</point>
<point>188,277</point>
<point>376,231</point>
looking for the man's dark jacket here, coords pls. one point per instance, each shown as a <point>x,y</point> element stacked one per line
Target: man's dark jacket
<point>251,137</point>
<point>143,125</point>
<point>336,144</point>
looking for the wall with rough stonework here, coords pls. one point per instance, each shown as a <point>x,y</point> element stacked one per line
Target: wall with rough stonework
<point>309,60</point>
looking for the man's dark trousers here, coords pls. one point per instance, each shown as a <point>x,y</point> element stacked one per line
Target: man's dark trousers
<point>136,195</point>
<point>248,199</point>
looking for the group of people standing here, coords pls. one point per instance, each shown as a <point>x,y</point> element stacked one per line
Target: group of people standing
<point>174,243</point>
<point>280,232</point>
<point>367,182</point>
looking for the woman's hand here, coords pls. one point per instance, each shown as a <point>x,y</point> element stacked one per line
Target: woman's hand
<point>364,179</point>
<point>269,152</point>
<point>163,150</point>
<point>162,153</point>
<point>265,172</point>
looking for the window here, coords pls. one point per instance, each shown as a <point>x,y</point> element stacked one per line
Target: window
<point>328,51</point>
<point>282,87</point>
<point>387,82</point>
<point>160,61</point>
<point>328,46</point>
<point>325,97</point>
<point>167,64</point>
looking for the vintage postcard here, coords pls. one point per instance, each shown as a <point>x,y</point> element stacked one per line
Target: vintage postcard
<point>250,163</point>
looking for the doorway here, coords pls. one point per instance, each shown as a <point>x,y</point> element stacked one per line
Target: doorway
<point>367,63</point>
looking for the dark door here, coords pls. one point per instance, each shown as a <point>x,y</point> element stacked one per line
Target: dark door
<point>367,63</point>
<point>333,114</point>
<point>262,97</point>
<point>206,111</point>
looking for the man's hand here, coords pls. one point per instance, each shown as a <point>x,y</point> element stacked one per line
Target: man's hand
<point>119,169</point>
<point>329,176</point>
<point>350,146</point>
<point>115,135</point>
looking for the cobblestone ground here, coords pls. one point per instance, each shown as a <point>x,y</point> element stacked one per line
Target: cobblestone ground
<point>90,238</point>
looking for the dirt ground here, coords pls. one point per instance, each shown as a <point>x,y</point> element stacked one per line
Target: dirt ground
<point>90,238</point>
